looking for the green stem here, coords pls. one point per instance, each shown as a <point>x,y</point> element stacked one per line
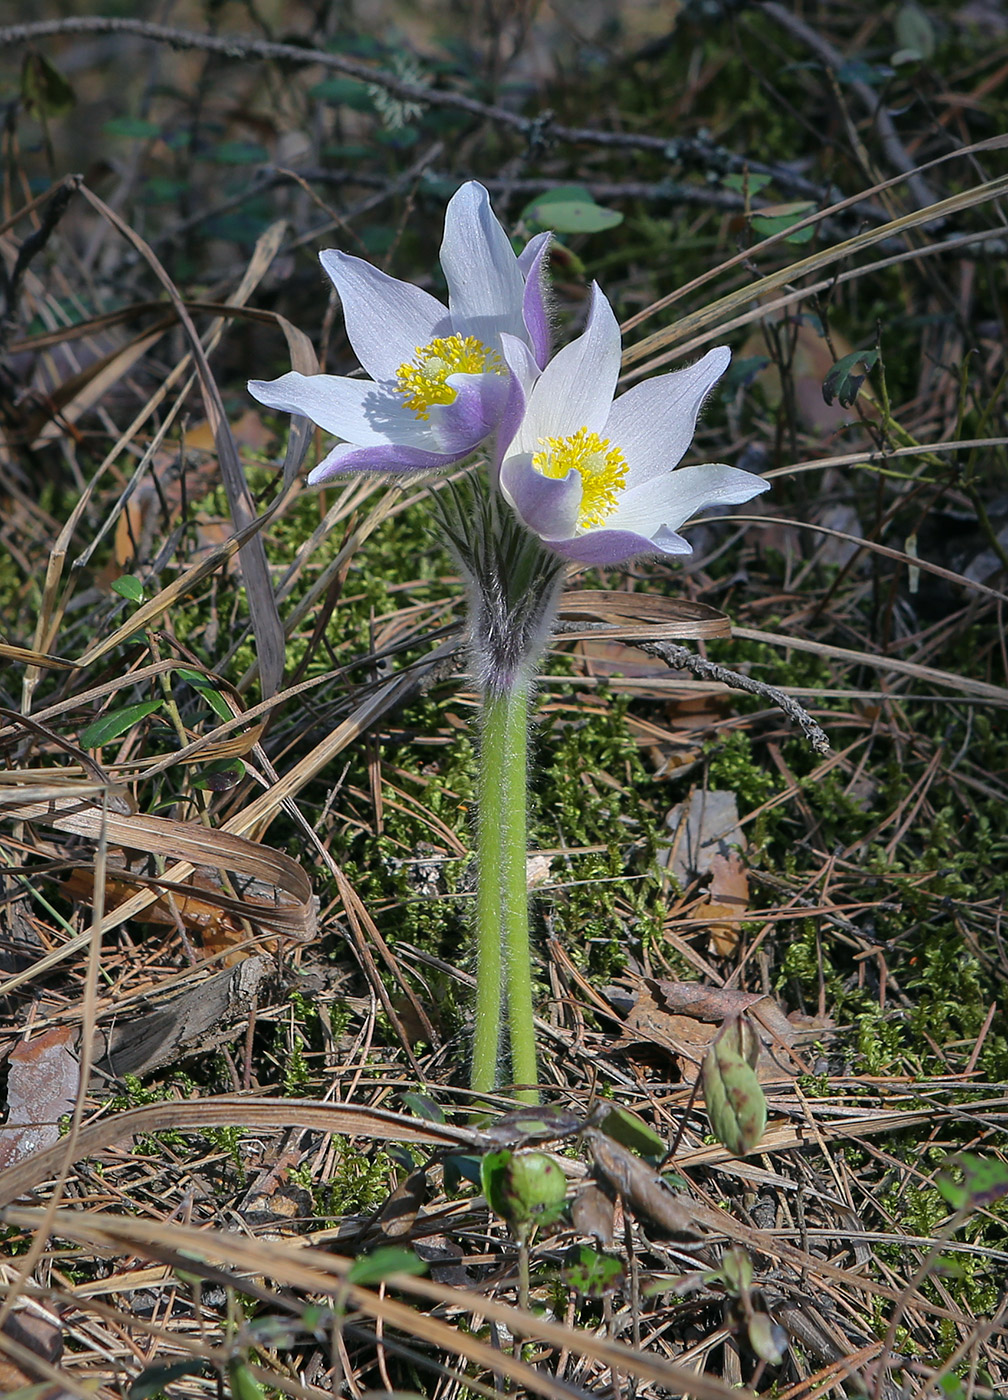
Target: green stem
<point>502,921</point>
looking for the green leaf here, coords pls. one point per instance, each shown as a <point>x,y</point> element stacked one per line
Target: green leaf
<point>128,586</point>
<point>131,128</point>
<point>525,1125</point>
<point>244,1385</point>
<point>767,1339</point>
<point>208,690</point>
<point>590,1272</point>
<point>569,209</point>
<point>239,153</point>
<point>914,33</point>
<point>377,1266</point>
<point>984,1180</point>
<point>841,383</point>
<point>775,218</point>
<point>630,1130</point>
<point>461,1166</point>
<point>116,722</point>
<point>154,1379</point>
<point>44,90</point>
<point>736,1104</point>
<point>343,92</point>
<point>741,183</point>
<point>423,1107</point>
<point>737,1271</point>
<point>221,775</point>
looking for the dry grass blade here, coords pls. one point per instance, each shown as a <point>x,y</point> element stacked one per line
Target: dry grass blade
<point>634,615</point>
<point>716,313</point>
<point>262,604</point>
<point>200,846</point>
<point>325,1274</point>
<point>352,1120</point>
<point>965,685</point>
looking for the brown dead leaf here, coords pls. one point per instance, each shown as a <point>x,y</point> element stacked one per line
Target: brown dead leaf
<point>34,1330</point>
<point>42,1083</point>
<point>727,902</point>
<point>685,1017</point>
<point>705,825</point>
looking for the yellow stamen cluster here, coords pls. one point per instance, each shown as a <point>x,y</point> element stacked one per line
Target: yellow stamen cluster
<point>602,469</point>
<point>424,377</point>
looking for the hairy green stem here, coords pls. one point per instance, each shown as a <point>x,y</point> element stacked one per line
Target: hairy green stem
<point>502,919</point>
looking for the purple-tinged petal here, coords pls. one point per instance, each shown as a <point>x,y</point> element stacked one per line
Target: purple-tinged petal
<point>575,389</point>
<point>534,312</point>
<point>548,505</point>
<point>359,410</point>
<point>654,421</point>
<point>388,458</point>
<point>602,548</point>
<point>485,285</point>
<point>386,320</point>
<point>674,498</point>
<point>479,404</point>
<point>524,372</point>
<point>532,250</point>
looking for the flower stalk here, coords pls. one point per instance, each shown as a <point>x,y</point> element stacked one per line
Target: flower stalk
<point>513,585</point>
<point>504,959</point>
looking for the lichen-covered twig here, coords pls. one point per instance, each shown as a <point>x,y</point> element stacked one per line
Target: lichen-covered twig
<point>680,658</point>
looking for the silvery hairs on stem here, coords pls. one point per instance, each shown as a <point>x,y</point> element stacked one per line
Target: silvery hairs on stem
<point>513,581</point>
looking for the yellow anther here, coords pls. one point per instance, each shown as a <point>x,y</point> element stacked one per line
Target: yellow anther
<point>601,467</point>
<point>424,377</point>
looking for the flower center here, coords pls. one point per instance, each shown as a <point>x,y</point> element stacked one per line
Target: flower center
<point>424,377</point>
<point>601,467</point>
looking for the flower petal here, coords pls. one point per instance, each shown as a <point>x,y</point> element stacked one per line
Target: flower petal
<point>386,320</point>
<point>670,500</point>
<point>485,285</point>
<point>654,422</point>
<point>388,458</point>
<point>359,410</point>
<point>524,373</point>
<point>548,505</point>
<point>534,312</point>
<point>575,389</point>
<point>479,404</point>
<point>604,547</point>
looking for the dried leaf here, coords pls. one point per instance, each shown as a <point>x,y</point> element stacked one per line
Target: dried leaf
<point>42,1083</point>
<point>594,1214</point>
<point>727,902</point>
<point>641,1186</point>
<point>702,827</point>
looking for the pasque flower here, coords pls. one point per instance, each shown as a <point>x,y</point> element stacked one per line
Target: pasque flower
<point>598,481</point>
<point>440,385</point>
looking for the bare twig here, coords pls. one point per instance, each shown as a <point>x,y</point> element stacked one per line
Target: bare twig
<point>682,659</point>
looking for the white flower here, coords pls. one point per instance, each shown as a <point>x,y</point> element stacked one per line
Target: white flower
<point>595,479</point>
<point>439,382</point>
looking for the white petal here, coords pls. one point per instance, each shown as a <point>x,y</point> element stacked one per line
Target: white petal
<point>653,423</point>
<point>355,409</point>
<point>485,284</point>
<point>575,389</point>
<point>386,320</point>
<point>672,499</point>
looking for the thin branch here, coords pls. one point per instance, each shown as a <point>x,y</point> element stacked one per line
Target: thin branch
<point>680,658</point>
<point>696,151</point>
